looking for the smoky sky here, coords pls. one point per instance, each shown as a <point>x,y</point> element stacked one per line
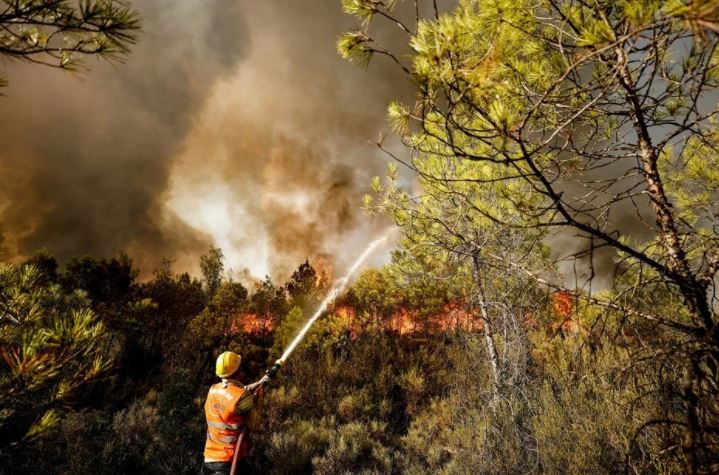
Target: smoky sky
<point>232,123</point>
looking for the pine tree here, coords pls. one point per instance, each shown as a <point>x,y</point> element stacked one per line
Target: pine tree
<point>212,266</point>
<point>51,347</point>
<point>538,117</point>
<point>59,33</point>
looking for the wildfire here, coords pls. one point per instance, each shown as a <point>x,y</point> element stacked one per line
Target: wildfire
<point>325,269</point>
<point>251,324</point>
<point>406,321</point>
<point>344,319</point>
<point>455,317</point>
<point>562,303</point>
<point>562,306</point>
<point>402,322</point>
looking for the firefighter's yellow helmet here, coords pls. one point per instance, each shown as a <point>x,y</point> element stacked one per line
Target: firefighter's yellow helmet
<point>227,364</point>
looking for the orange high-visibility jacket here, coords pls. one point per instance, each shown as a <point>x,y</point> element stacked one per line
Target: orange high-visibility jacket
<point>225,402</point>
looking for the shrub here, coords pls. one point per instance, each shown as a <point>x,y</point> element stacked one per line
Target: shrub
<point>355,448</point>
<point>291,450</point>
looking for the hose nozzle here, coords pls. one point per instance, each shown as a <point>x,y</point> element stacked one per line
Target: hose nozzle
<point>272,372</point>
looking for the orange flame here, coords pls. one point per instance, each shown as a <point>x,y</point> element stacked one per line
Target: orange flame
<point>402,322</point>
<point>324,268</point>
<point>562,303</point>
<point>563,306</point>
<point>344,319</point>
<point>250,324</point>
<point>455,317</point>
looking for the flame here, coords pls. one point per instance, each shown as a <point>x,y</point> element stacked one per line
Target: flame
<point>562,307</point>
<point>402,322</point>
<point>454,317</point>
<point>344,320</point>
<point>251,324</point>
<point>562,303</point>
<point>324,268</point>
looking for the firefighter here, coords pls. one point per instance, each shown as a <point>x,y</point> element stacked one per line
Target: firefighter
<point>230,412</point>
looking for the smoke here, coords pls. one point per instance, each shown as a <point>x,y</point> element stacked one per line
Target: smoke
<point>233,122</point>
<point>285,138</point>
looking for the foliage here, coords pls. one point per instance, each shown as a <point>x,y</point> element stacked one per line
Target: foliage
<point>560,115</point>
<point>358,396</point>
<point>305,288</point>
<point>52,347</point>
<point>212,267</point>
<point>286,331</point>
<point>531,118</point>
<point>59,33</point>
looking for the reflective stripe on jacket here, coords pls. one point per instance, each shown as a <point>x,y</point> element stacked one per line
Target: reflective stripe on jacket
<point>224,425</point>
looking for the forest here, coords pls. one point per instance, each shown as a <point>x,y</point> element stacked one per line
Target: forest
<point>550,305</point>
<point>393,378</point>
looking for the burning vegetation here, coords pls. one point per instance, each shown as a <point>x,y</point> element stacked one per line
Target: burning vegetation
<point>546,141</point>
<point>383,348</point>
<point>563,303</point>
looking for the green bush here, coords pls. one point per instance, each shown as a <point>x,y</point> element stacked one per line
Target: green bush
<point>292,450</point>
<point>355,448</point>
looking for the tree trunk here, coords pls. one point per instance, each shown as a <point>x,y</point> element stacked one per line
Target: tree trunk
<point>488,326</point>
<point>693,291</point>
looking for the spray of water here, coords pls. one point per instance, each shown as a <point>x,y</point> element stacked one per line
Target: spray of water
<point>333,293</point>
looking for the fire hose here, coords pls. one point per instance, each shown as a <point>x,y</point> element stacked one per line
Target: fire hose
<point>269,376</point>
<point>333,293</point>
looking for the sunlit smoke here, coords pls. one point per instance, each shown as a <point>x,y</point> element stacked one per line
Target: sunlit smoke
<point>214,210</point>
<point>233,123</point>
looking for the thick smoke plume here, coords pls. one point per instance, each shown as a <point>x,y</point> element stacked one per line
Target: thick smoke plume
<point>232,122</point>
